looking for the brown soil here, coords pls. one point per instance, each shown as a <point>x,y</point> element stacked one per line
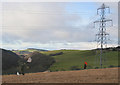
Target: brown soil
<point>108,75</point>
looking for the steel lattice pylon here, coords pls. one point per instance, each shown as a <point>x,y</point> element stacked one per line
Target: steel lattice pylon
<point>102,35</point>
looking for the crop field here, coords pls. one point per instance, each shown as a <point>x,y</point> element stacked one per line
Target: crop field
<point>106,75</point>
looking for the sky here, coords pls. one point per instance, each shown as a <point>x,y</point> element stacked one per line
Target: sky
<point>54,25</point>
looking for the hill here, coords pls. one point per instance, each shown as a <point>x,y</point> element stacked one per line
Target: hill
<point>74,59</point>
<point>9,61</point>
<point>27,51</point>
<point>40,62</point>
<point>35,49</point>
<point>66,60</point>
<point>12,63</point>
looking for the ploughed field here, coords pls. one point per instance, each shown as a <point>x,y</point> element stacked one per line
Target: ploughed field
<point>108,75</point>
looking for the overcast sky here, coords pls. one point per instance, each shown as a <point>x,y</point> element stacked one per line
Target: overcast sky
<point>54,25</point>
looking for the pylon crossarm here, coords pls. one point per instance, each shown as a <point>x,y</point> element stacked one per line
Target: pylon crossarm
<point>108,20</point>
<point>97,21</point>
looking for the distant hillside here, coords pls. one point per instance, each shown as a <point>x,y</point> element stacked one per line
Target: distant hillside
<point>36,49</point>
<point>40,62</point>
<point>22,52</point>
<point>27,51</point>
<point>9,61</point>
<point>111,48</point>
<point>61,60</point>
<point>74,59</point>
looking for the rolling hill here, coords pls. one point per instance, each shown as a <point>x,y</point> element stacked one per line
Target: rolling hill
<point>27,51</point>
<point>76,58</point>
<point>9,61</point>
<point>13,63</point>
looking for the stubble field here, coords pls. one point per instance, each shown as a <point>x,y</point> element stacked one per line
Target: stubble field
<point>108,75</point>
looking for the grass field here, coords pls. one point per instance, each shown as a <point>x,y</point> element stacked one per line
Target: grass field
<point>71,58</point>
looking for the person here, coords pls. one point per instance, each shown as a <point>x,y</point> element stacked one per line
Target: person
<point>85,65</point>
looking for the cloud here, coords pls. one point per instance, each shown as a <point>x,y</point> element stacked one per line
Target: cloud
<point>39,22</point>
<point>25,24</point>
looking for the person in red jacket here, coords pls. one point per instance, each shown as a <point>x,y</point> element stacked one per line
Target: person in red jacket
<point>85,65</point>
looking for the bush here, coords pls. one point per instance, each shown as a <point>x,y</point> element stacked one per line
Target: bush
<point>111,66</point>
<point>60,53</point>
<point>89,67</point>
<point>56,70</point>
<point>62,69</point>
<point>96,67</point>
<point>74,68</point>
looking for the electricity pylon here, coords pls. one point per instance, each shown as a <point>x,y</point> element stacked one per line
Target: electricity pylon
<point>102,35</point>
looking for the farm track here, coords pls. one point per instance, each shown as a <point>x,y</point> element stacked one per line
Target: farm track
<point>108,75</point>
